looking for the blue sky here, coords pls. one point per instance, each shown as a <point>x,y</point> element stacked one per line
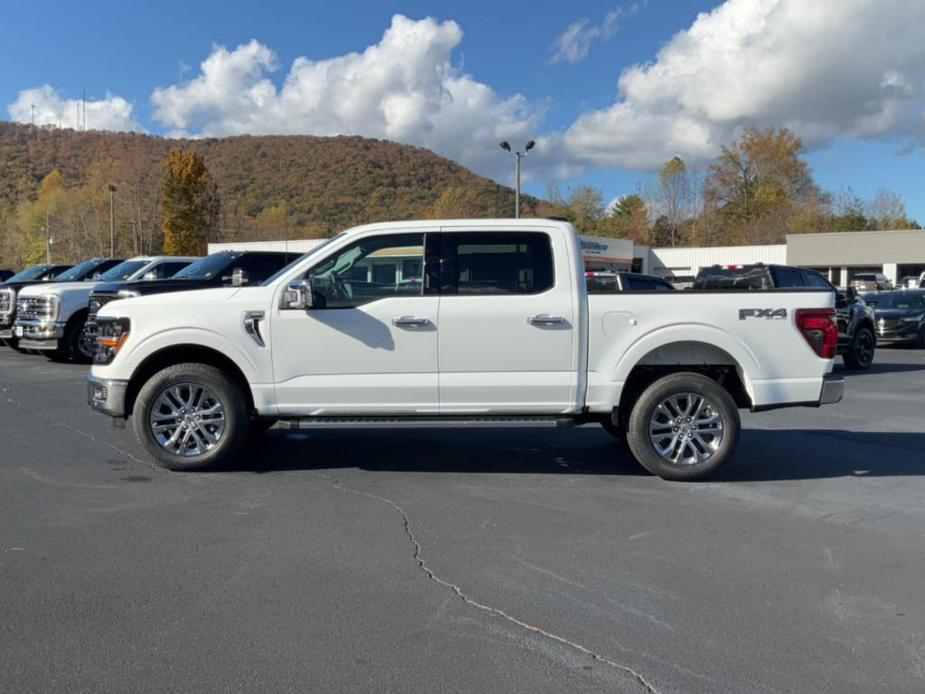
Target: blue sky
<point>631,85</point>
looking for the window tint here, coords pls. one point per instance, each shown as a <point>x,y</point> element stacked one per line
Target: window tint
<point>788,277</point>
<point>370,269</point>
<point>258,266</point>
<point>169,269</point>
<point>814,280</point>
<point>497,263</point>
<point>661,286</point>
<point>637,284</point>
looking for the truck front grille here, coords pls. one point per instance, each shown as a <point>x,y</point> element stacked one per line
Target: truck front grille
<point>35,308</point>
<point>6,300</point>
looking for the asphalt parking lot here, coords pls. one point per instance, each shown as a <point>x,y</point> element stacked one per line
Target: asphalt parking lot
<point>470,561</point>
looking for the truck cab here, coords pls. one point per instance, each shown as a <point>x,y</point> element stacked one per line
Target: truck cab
<point>458,323</point>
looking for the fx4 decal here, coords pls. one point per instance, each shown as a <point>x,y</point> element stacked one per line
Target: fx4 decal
<point>767,313</point>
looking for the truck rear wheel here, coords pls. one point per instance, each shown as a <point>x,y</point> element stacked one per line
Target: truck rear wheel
<point>191,417</point>
<point>684,426</point>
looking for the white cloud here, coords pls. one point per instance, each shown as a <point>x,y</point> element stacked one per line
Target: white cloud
<point>404,88</point>
<point>573,44</point>
<point>825,69</point>
<point>109,113</point>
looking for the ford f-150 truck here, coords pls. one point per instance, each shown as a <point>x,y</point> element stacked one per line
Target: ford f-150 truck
<point>459,323</point>
<point>54,316</point>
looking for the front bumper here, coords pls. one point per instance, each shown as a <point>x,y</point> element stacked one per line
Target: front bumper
<point>106,395</point>
<point>35,334</point>
<point>833,389</point>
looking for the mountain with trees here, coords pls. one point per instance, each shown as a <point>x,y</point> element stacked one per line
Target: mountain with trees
<point>177,195</point>
<point>267,187</point>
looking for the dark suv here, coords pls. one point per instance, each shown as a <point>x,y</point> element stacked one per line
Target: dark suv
<point>223,269</point>
<point>857,341</point>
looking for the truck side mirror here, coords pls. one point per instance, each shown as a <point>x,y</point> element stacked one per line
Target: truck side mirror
<point>238,277</point>
<point>297,296</point>
<point>851,294</point>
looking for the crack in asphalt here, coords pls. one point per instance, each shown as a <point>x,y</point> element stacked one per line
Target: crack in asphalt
<point>73,429</point>
<point>417,555</point>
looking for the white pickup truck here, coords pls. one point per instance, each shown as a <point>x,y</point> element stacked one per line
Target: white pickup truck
<point>459,323</point>
<point>52,317</point>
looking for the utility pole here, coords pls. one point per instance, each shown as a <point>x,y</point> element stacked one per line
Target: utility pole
<point>33,114</point>
<point>47,239</point>
<point>112,221</point>
<point>506,146</point>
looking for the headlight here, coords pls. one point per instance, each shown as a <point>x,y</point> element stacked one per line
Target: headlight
<point>913,319</point>
<point>52,306</point>
<point>111,335</point>
<point>128,293</point>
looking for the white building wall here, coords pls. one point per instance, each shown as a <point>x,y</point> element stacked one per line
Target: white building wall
<point>296,246</point>
<point>679,262</point>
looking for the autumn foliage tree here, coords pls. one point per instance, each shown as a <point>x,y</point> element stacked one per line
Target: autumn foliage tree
<point>190,204</point>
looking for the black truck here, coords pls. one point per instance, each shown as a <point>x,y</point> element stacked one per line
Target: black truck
<point>222,269</point>
<point>10,288</point>
<point>857,341</point>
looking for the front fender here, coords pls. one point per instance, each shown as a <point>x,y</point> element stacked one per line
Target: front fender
<point>127,363</point>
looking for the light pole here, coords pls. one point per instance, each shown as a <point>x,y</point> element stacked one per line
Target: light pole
<point>47,239</point>
<point>506,146</point>
<point>112,221</point>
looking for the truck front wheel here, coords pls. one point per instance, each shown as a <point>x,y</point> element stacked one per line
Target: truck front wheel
<point>683,426</point>
<point>191,417</point>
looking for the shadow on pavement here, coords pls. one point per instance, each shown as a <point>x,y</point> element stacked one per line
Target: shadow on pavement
<point>763,455</point>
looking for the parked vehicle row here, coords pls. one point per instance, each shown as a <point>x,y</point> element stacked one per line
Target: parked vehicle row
<point>51,308</point>
<point>857,340</point>
<point>456,323</point>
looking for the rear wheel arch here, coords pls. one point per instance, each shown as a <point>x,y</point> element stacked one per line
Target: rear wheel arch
<point>184,354</point>
<point>677,357</point>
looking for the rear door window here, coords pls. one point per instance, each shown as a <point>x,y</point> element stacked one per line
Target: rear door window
<point>479,263</point>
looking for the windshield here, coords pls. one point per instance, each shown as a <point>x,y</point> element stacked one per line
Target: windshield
<point>123,271</point>
<point>900,300</point>
<point>78,271</point>
<point>33,273</point>
<point>270,280</point>
<point>208,267</point>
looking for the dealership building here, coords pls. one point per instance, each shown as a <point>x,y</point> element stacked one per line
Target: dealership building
<point>839,256</point>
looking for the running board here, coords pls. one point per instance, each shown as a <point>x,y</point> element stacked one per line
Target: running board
<point>421,422</point>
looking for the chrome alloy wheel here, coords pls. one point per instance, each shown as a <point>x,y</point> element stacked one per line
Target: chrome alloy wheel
<point>187,419</point>
<point>686,428</point>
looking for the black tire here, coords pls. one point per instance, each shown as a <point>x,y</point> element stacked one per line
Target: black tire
<point>237,420</point>
<point>920,340</point>
<point>76,346</point>
<point>860,354</point>
<point>717,401</point>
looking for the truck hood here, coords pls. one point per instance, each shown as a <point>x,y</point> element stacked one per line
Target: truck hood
<point>894,313</point>
<point>167,301</point>
<point>145,287</point>
<point>58,288</point>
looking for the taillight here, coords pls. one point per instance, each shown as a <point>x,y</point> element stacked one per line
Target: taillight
<point>820,330</point>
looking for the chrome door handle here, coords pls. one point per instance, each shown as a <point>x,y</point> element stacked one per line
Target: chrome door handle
<point>410,321</point>
<point>545,319</point>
